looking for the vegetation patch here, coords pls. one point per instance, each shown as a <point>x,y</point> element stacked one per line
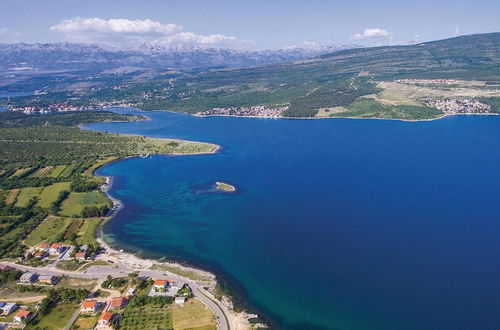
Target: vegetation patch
<point>48,230</point>
<point>76,202</point>
<point>50,193</point>
<point>26,194</point>
<point>87,231</point>
<point>11,196</point>
<point>193,315</point>
<point>42,171</point>
<point>85,322</point>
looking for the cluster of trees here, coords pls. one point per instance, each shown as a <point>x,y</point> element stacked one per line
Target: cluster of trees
<point>55,207</point>
<point>9,275</point>
<point>140,300</point>
<point>95,211</point>
<point>82,185</point>
<point>17,224</point>
<point>114,282</point>
<point>62,295</point>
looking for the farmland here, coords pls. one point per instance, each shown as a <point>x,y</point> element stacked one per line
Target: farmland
<point>50,193</point>
<point>48,230</point>
<point>76,202</point>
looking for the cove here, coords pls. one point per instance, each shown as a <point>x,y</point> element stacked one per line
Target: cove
<point>336,224</point>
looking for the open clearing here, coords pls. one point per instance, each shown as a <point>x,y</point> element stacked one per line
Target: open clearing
<point>395,93</point>
<point>56,172</point>
<point>48,230</point>
<point>42,171</point>
<point>76,201</point>
<point>85,322</point>
<point>87,231</point>
<point>26,194</point>
<point>194,314</point>
<point>11,196</point>
<point>50,193</point>
<point>55,319</point>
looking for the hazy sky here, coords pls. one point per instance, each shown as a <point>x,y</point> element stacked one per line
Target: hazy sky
<point>243,24</point>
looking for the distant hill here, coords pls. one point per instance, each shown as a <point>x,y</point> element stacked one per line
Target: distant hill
<point>343,83</point>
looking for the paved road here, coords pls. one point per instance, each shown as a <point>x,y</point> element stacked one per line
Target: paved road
<point>101,272</point>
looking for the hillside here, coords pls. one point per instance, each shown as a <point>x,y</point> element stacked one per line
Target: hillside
<point>344,83</point>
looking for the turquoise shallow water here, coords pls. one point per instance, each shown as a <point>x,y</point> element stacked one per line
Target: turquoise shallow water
<point>338,224</point>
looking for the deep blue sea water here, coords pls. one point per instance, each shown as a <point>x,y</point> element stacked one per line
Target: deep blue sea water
<point>338,224</point>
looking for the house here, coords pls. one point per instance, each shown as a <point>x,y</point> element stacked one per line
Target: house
<point>90,306</point>
<point>8,308</point>
<point>40,255</point>
<point>160,284</point>
<point>105,320</point>
<point>56,249</point>
<point>22,316</point>
<point>180,300</point>
<point>28,278</point>
<point>42,247</point>
<point>81,255</point>
<point>48,279</point>
<point>119,302</point>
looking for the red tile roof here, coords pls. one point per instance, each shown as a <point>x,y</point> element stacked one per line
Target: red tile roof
<point>55,246</point>
<point>106,316</point>
<point>43,246</point>
<point>89,303</point>
<point>80,255</point>
<point>118,302</point>
<point>23,313</point>
<point>160,282</point>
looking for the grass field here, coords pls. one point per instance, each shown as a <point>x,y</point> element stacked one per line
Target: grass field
<point>147,317</point>
<point>11,196</point>
<point>50,193</point>
<point>48,229</point>
<point>67,171</point>
<point>55,319</point>
<point>70,265</point>
<point>56,172</point>
<point>87,231</point>
<point>19,172</point>
<point>75,202</point>
<point>85,322</point>
<point>44,171</point>
<point>77,283</point>
<point>26,194</point>
<point>193,315</point>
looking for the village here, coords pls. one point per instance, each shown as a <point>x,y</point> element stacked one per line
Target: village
<point>117,297</point>
<point>254,111</point>
<point>460,106</point>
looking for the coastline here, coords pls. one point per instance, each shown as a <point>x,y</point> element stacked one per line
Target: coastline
<point>365,118</point>
<point>207,280</point>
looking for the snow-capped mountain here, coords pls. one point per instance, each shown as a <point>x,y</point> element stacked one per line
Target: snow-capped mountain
<point>73,56</point>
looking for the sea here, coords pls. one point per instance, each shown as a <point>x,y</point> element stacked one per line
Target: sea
<point>336,223</point>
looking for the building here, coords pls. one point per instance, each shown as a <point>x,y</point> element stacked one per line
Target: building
<point>105,320</point>
<point>42,247</point>
<point>180,300</point>
<point>28,278</point>
<point>40,255</point>
<point>119,302</point>
<point>7,308</point>
<point>160,284</point>
<point>56,249</point>
<point>81,256</point>
<point>22,316</point>
<point>48,279</point>
<point>90,306</point>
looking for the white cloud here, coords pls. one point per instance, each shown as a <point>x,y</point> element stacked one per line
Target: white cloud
<point>371,33</point>
<point>3,30</point>
<point>120,31</point>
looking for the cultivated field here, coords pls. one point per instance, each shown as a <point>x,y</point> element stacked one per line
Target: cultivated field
<point>193,315</point>
<point>147,317</point>
<point>76,201</point>
<point>50,193</point>
<point>26,194</point>
<point>48,230</point>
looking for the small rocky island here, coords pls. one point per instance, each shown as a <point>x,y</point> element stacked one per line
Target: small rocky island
<point>224,187</point>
